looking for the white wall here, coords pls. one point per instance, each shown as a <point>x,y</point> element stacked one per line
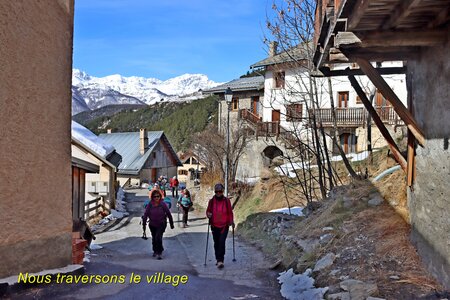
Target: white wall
<point>297,86</point>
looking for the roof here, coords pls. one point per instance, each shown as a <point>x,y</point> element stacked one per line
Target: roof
<point>240,84</point>
<point>87,166</point>
<point>293,54</point>
<point>95,145</point>
<point>378,30</point>
<point>90,140</point>
<point>128,143</point>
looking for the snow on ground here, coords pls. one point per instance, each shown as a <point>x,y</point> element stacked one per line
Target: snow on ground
<point>354,156</point>
<point>250,180</point>
<point>117,213</point>
<point>296,210</point>
<point>90,140</point>
<point>95,246</point>
<point>299,286</point>
<point>289,169</point>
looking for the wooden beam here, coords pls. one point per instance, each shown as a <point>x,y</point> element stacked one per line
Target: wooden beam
<point>381,53</point>
<point>357,13</point>
<point>358,72</point>
<point>410,159</point>
<point>401,11</point>
<point>415,38</point>
<point>347,39</point>
<point>392,145</point>
<point>389,94</point>
<point>441,18</point>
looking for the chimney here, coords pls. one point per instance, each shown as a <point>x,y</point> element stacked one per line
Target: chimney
<point>143,140</point>
<point>273,48</point>
<point>109,130</point>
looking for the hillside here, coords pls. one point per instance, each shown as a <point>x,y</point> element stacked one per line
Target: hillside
<point>105,111</point>
<point>358,235</point>
<point>178,120</point>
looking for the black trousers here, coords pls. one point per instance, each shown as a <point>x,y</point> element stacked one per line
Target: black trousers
<point>157,237</point>
<point>185,214</point>
<point>219,237</point>
<point>175,191</point>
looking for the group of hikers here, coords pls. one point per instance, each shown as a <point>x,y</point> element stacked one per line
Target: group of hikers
<point>157,210</point>
<point>163,184</point>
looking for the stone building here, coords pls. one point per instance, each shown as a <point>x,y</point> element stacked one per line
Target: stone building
<point>246,113</point>
<point>287,100</point>
<point>417,32</point>
<point>36,39</point>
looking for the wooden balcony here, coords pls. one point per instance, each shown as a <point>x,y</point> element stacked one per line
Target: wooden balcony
<point>355,117</point>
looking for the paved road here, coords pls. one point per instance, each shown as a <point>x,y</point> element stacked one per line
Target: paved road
<point>125,253</point>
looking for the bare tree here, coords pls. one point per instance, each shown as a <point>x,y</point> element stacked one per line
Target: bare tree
<point>291,25</point>
<point>211,146</point>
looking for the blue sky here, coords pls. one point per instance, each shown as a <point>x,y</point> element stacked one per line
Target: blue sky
<point>167,38</point>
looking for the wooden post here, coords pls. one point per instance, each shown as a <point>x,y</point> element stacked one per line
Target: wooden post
<point>392,145</point>
<point>410,157</point>
<point>387,92</point>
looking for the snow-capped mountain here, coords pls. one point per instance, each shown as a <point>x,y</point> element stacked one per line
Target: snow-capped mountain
<point>117,89</point>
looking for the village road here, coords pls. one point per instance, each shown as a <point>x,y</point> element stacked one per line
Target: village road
<point>124,252</point>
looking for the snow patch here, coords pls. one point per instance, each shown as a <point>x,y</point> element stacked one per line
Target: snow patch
<point>90,140</point>
<point>296,210</point>
<point>299,286</point>
<point>95,247</point>
<point>289,169</point>
<point>352,156</point>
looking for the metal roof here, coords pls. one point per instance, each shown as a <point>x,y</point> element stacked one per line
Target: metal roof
<point>127,144</point>
<point>293,54</point>
<point>240,84</point>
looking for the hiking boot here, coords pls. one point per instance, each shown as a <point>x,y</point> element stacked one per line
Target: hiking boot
<point>158,257</point>
<point>154,254</point>
<point>220,265</point>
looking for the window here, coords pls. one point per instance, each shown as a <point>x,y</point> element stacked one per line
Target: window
<point>183,172</point>
<point>194,161</point>
<point>279,79</point>
<point>187,162</point>
<point>294,112</point>
<point>358,100</point>
<point>235,103</point>
<point>342,99</point>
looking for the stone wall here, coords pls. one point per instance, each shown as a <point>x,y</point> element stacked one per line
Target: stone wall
<point>35,135</point>
<point>428,81</point>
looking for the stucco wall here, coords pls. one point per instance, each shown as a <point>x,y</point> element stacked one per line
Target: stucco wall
<point>35,130</point>
<point>428,79</point>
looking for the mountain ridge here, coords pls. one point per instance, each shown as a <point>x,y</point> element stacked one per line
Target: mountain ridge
<point>116,89</point>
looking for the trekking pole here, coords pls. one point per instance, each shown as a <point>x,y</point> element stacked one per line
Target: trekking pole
<point>207,239</point>
<point>234,252</point>
<point>178,214</point>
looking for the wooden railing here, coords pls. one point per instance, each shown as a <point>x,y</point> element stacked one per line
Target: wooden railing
<point>355,116</point>
<point>92,208</point>
<point>249,116</point>
<point>268,128</point>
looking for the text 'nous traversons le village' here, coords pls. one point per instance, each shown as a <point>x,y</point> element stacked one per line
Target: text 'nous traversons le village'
<point>156,278</point>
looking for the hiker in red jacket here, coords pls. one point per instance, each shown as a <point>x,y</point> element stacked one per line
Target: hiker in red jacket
<point>174,186</point>
<point>220,214</point>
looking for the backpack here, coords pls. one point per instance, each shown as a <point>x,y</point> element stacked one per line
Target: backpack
<point>168,202</point>
<point>186,202</point>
